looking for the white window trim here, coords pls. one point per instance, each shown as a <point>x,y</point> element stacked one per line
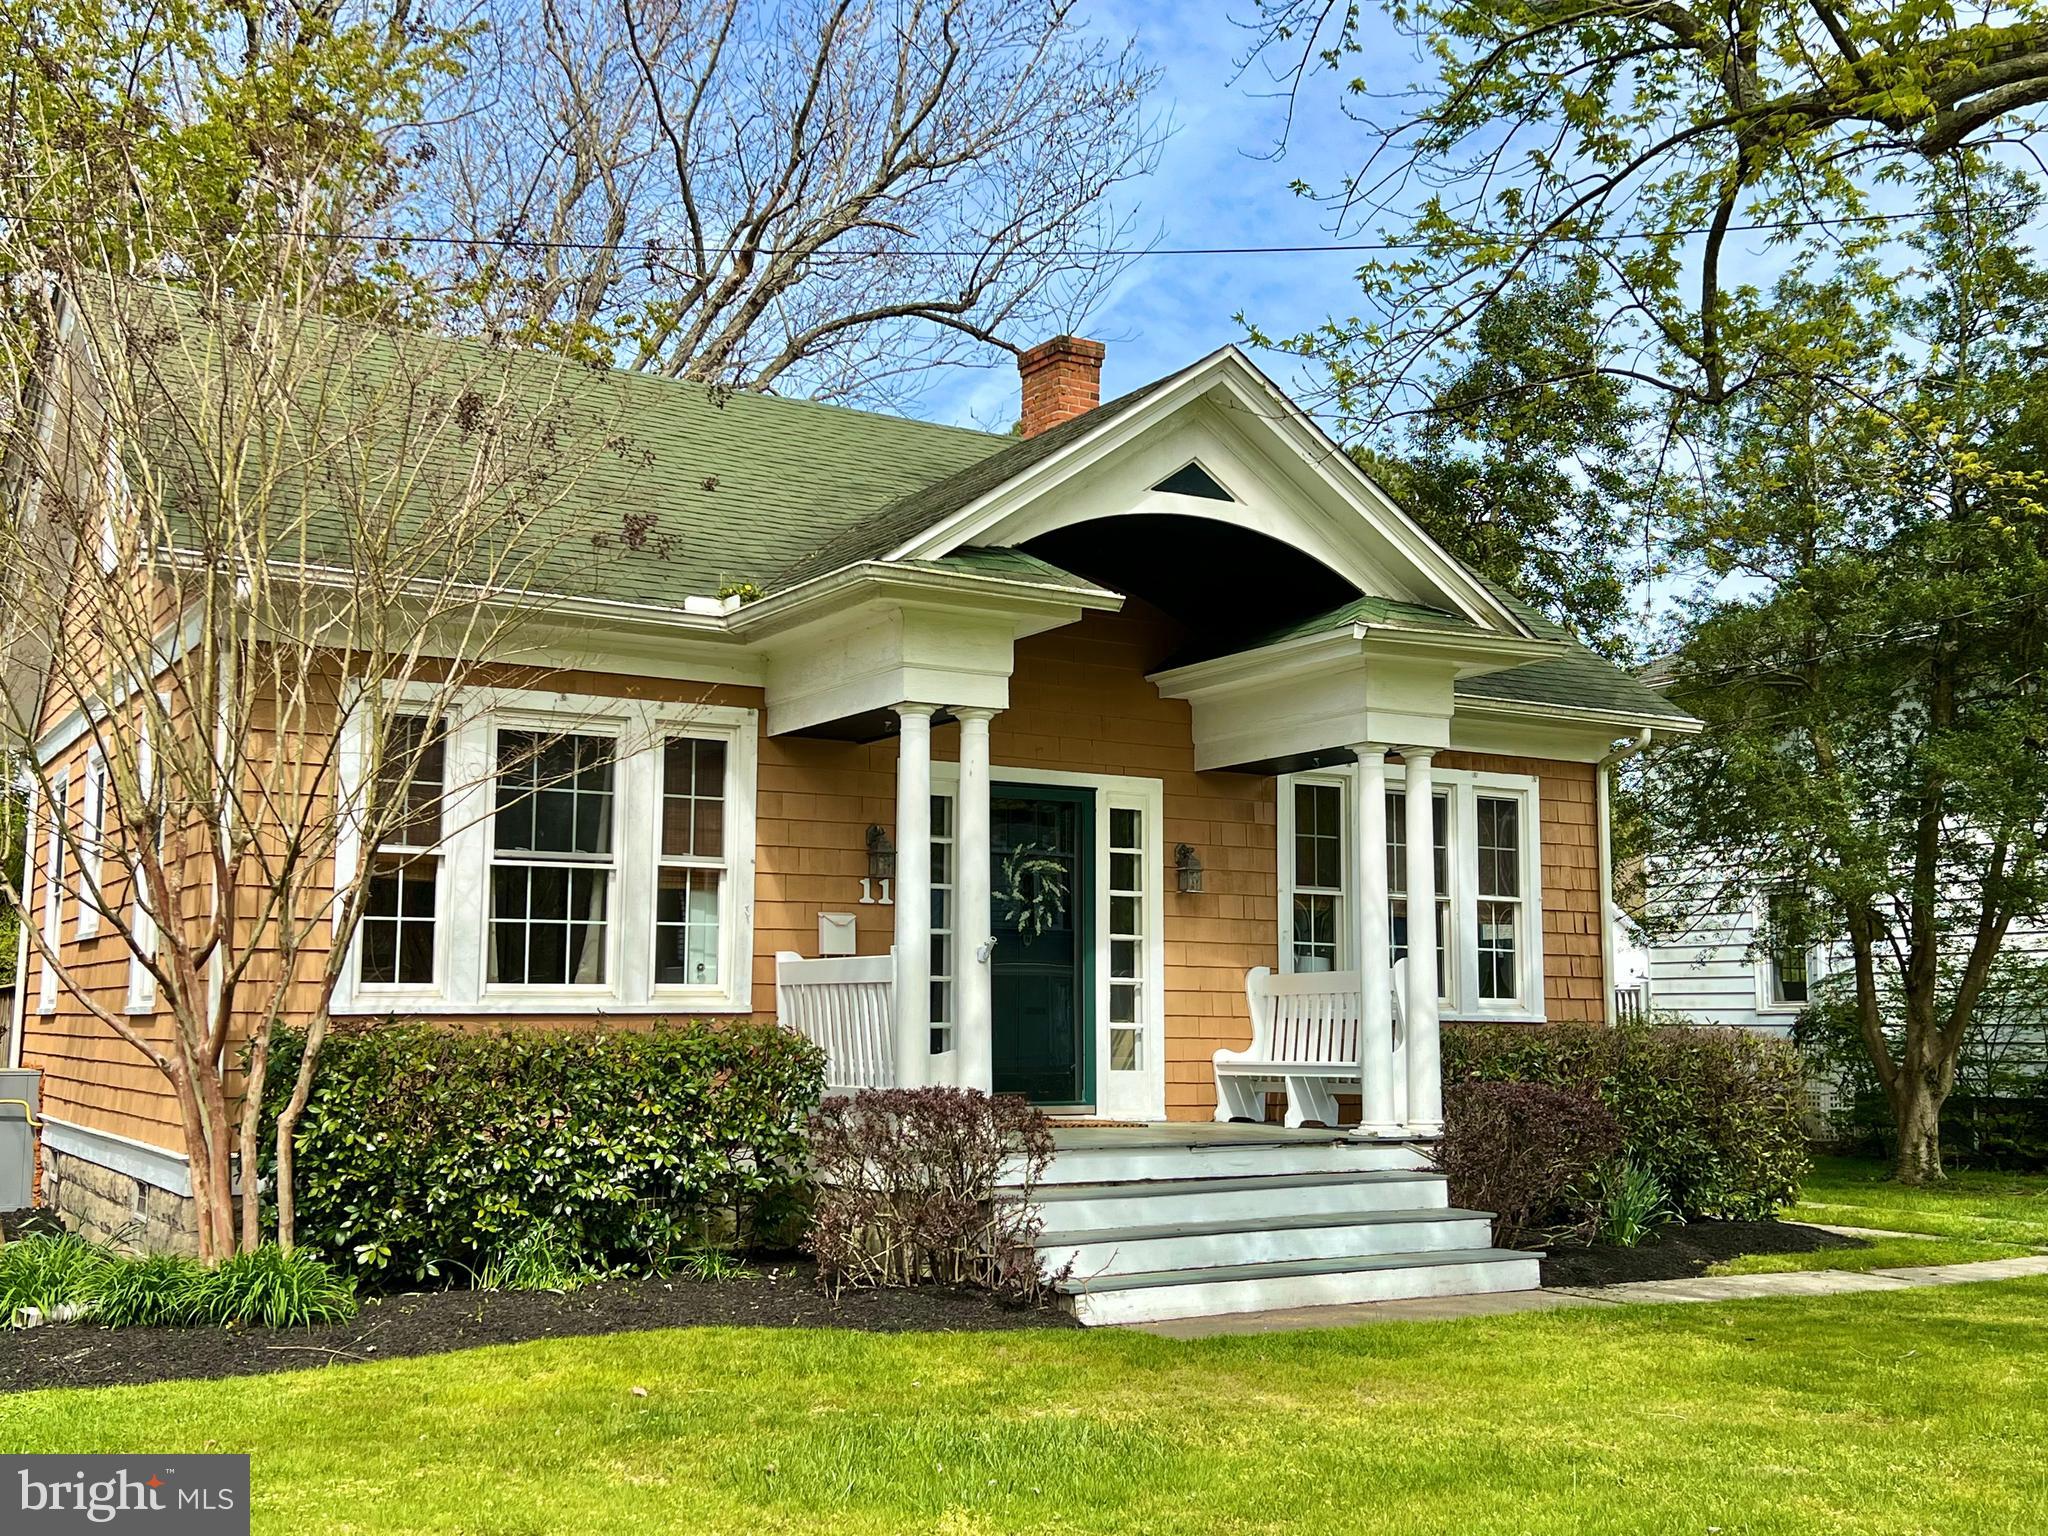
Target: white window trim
<point>462,894</point>
<point>141,921</point>
<point>1138,1095</point>
<point>57,807</point>
<point>1464,785</point>
<point>92,831</point>
<point>1767,1000</point>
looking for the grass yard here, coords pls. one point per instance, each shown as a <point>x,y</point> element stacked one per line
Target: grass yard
<point>1905,1411</point>
<point>1973,1217</point>
<point>2009,1208</point>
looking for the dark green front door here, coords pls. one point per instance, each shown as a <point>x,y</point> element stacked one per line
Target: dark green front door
<point>1043,969</point>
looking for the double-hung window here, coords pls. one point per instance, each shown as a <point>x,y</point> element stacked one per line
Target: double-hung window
<point>55,873</point>
<point>1486,928</point>
<point>92,833</point>
<point>689,888</point>
<point>401,905</point>
<point>1785,962</point>
<point>1498,931</point>
<point>552,859</point>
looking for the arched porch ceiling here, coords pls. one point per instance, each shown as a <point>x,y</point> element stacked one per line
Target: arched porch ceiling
<point>1288,483</point>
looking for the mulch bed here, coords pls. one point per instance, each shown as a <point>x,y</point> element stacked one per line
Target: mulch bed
<point>1679,1253</point>
<point>769,1295</point>
<point>27,1220</point>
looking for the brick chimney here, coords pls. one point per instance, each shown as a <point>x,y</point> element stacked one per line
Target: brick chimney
<point>1062,378</point>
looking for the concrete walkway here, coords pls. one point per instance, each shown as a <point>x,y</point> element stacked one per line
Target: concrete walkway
<point>1818,1282</point>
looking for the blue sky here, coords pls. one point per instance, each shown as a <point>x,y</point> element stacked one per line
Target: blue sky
<point>1211,188</point>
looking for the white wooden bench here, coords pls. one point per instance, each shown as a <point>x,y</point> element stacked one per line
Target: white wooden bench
<point>846,1008</point>
<point>1305,1037</point>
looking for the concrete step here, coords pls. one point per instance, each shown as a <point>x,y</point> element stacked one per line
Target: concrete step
<point>1079,1209</point>
<point>1156,1295</point>
<point>1081,1161</point>
<point>1265,1240</point>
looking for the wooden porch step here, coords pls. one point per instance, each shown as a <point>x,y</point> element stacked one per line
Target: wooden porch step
<point>1156,1295</point>
<point>1203,1245</point>
<point>1086,1208</point>
<point>1165,1155</point>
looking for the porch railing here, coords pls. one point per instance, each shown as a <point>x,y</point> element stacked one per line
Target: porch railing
<point>845,1007</point>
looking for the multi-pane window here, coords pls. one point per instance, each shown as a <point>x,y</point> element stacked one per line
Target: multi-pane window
<point>400,899</point>
<point>551,859</point>
<point>689,893</point>
<point>943,925</point>
<point>1397,879</point>
<point>92,832</point>
<point>55,873</point>
<point>1498,841</point>
<point>1126,940</point>
<point>1787,958</point>
<point>1318,875</point>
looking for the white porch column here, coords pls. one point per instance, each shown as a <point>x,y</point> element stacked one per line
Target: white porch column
<point>973,992</point>
<point>914,896</point>
<point>1425,1051</point>
<point>1369,940</point>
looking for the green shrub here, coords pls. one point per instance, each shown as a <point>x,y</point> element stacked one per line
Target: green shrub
<point>1713,1114</point>
<point>271,1288</point>
<point>46,1272</point>
<point>1629,1202</point>
<point>423,1148</point>
<point>1525,1152</point>
<point>161,1290</point>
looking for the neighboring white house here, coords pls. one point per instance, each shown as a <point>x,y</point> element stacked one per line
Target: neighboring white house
<point>1710,964</point>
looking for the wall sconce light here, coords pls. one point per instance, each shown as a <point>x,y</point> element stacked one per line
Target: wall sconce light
<point>881,855</point>
<point>1187,870</point>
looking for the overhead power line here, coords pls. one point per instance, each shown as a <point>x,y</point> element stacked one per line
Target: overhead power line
<point>657,244</point>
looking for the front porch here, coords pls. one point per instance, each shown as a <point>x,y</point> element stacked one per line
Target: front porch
<point>1073,1011</point>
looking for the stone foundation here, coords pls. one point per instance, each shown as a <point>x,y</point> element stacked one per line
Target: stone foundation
<point>114,1207</point>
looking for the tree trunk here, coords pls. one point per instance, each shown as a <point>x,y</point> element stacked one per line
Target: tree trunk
<point>1916,1111</point>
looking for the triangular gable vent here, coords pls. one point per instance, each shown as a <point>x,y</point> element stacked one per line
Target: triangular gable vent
<point>1193,480</point>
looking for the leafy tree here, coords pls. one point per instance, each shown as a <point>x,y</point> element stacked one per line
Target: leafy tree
<point>1871,669</point>
<point>1661,138</point>
<point>1528,463</point>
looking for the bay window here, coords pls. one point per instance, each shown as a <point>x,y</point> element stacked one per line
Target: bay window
<point>559,851</point>
<point>1486,929</point>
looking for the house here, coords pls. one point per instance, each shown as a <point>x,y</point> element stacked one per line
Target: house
<point>1175,656</point>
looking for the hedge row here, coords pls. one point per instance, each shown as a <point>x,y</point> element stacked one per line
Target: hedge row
<point>1714,1114</point>
<point>423,1148</point>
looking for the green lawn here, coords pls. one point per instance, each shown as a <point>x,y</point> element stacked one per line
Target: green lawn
<point>1915,1410</point>
<point>2007,1208</point>
<point>1973,1217</point>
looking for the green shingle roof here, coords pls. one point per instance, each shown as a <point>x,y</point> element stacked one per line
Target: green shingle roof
<point>1576,680</point>
<point>663,489</point>
<point>692,489</point>
<point>872,537</point>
